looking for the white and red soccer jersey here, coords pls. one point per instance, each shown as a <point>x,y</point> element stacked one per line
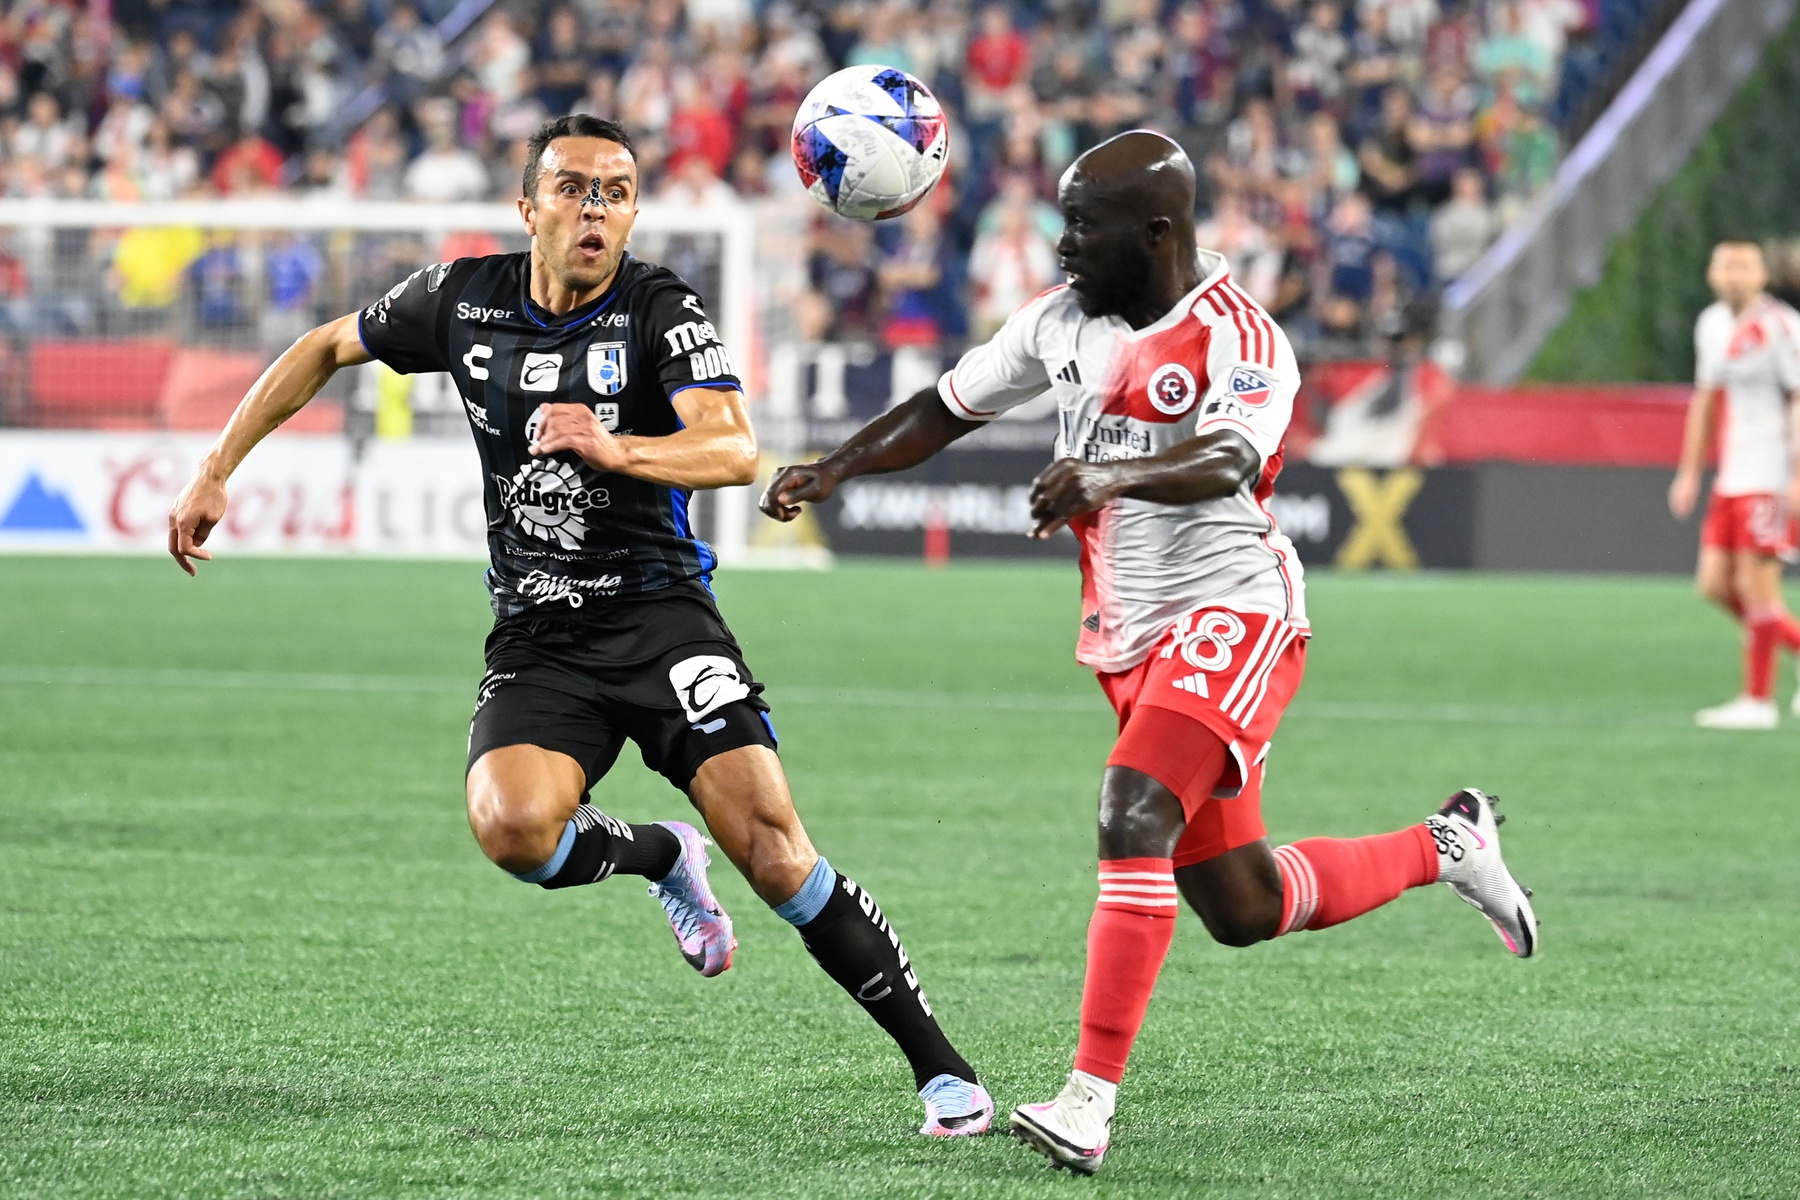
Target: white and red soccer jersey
<point>1754,360</point>
<point>1214,361</point>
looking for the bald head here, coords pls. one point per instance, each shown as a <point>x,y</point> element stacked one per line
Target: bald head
<point>1143,169</point>
<point>1128,227</point>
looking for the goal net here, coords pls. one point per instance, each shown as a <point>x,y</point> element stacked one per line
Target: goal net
<point>128,333</point>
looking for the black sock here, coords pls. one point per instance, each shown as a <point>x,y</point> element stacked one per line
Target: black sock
<point>853,941</point>
<point>595,846</point>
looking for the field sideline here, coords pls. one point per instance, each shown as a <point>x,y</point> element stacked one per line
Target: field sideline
<point>249,949</point>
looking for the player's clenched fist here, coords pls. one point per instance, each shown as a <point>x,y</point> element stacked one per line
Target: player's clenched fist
<point>200,506</point>
<point>576,427</point>
<point>794,486</point>
<point>1067,488</point>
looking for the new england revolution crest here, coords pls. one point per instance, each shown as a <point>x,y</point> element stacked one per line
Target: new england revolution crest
<point>606,368</point>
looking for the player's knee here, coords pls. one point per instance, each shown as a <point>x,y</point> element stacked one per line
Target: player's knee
<point>1139,817</point>
<point>776,863</point>
<point>1714,589</point>
<point>516,835</point>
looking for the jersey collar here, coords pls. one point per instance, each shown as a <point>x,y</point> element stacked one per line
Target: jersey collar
<point>568,320</point>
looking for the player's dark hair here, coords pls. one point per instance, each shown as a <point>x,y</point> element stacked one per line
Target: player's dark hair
<point>573,125</point>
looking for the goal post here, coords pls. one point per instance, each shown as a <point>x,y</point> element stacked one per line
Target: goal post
<point>150,316</point>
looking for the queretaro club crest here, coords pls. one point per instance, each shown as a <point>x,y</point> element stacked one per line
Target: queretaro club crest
<point>606,367</point>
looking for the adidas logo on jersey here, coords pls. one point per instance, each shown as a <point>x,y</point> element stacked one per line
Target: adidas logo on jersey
<point>1195,683</point>
<point>1070,373</point>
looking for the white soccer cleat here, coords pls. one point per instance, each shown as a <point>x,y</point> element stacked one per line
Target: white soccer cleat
<point>955,1108</point>
<point>1795,707</point>
<point>1745,712</point>
<point>1467,833</point>
<point>1071,1131</point>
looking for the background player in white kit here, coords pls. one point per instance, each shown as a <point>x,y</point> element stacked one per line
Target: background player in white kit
<point>1746,372</point>
<point>1174,390</point>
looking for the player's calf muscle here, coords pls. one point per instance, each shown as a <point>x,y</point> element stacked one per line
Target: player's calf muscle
<point>744,797</point>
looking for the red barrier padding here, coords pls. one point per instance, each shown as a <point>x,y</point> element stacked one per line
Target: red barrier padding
<point>1620,425</point>
<point>99,384</point>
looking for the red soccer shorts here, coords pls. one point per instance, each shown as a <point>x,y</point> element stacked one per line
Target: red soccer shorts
<point>1759,523</point>
<point>1232,673</point>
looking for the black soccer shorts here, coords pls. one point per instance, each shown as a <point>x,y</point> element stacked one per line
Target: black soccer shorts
<point>662,670</point>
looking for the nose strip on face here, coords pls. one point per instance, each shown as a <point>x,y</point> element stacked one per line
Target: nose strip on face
<point>594,196</point>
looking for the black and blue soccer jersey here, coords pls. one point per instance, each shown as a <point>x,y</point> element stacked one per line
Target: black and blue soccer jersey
<point>561,534</point>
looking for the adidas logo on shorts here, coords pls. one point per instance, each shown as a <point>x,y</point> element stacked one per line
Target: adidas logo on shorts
<point>1195,683</point>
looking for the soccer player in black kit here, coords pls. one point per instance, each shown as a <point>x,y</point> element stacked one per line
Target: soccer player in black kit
<point>600,399</point>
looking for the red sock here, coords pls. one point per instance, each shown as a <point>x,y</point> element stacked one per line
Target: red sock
<point>1788,630</point>
<point>1327,881</point>
<point>1761,639</point>
<point>1134,922</point>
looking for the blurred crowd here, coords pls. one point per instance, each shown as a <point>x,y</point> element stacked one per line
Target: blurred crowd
<point>1354,155</point>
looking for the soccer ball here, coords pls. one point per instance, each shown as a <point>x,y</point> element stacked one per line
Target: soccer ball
<point>870,142</point>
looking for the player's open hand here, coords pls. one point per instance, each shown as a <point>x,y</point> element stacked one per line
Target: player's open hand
<point>794,486</point>
<point>1684,493</point>
<point>1067,488</point>
<point>200,506</point>
<point>576,427</point>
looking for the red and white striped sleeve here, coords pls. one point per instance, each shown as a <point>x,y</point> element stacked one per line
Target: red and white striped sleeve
<point>1251,373</point>
<point>1003,372</point>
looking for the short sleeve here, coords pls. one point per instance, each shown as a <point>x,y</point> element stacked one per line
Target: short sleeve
<point>1001,373</point>
<point>402,328</point>
<point>685,345</point>
<point>1706,352</point>
<point>1786,349</point>
<point>1245,394</point>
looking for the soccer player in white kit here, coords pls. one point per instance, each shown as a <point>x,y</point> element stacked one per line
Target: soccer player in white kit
<point>1174,390</point>
<point>1746,377</point>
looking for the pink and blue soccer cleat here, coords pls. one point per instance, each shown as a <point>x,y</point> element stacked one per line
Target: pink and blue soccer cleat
<point>955,1108</point>
<point>702,929</point>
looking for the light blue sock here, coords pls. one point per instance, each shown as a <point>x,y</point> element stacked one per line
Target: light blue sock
<point>806,903</point>
<point>549,869</point>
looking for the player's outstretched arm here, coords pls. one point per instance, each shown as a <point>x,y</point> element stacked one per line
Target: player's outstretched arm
<point>716,446</point>
<point>902,437</point>
<point>1214,464</point>
<point>282,391</point>
<point>1696,443</point>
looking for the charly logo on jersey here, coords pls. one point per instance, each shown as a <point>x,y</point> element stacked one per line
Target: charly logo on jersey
<point>1250,387</point>
<point>1171,389</point>
<point>549,503</point>
<point>706,682</point>
<point>606,367</point>
<point>540,372</point>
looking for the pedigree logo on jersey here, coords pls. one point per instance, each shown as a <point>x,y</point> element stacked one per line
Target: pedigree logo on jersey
<point>1249,387</point>
<point>548,502</point>
<point>1171,389</point>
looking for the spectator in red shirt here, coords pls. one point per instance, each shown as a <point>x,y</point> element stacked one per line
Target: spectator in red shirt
<point>251,163</point>
<point>997,59</point>
<point>698,128</point>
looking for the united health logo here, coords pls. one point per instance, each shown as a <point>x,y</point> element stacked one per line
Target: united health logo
<point>39,508</point>
<point>549,503</point>
<point>606,367</point>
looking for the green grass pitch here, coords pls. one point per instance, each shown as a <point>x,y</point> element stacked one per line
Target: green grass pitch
<point>249,949</point>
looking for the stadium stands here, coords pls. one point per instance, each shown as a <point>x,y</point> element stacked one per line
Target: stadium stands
<point>1328,134</point>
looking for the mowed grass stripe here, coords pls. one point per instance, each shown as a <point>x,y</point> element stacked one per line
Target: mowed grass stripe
<point>1324,710</point>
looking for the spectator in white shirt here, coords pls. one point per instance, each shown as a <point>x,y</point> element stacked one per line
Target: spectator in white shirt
<point>1462,229</point>
<point>1010,263</point>
<point>446,173</point>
